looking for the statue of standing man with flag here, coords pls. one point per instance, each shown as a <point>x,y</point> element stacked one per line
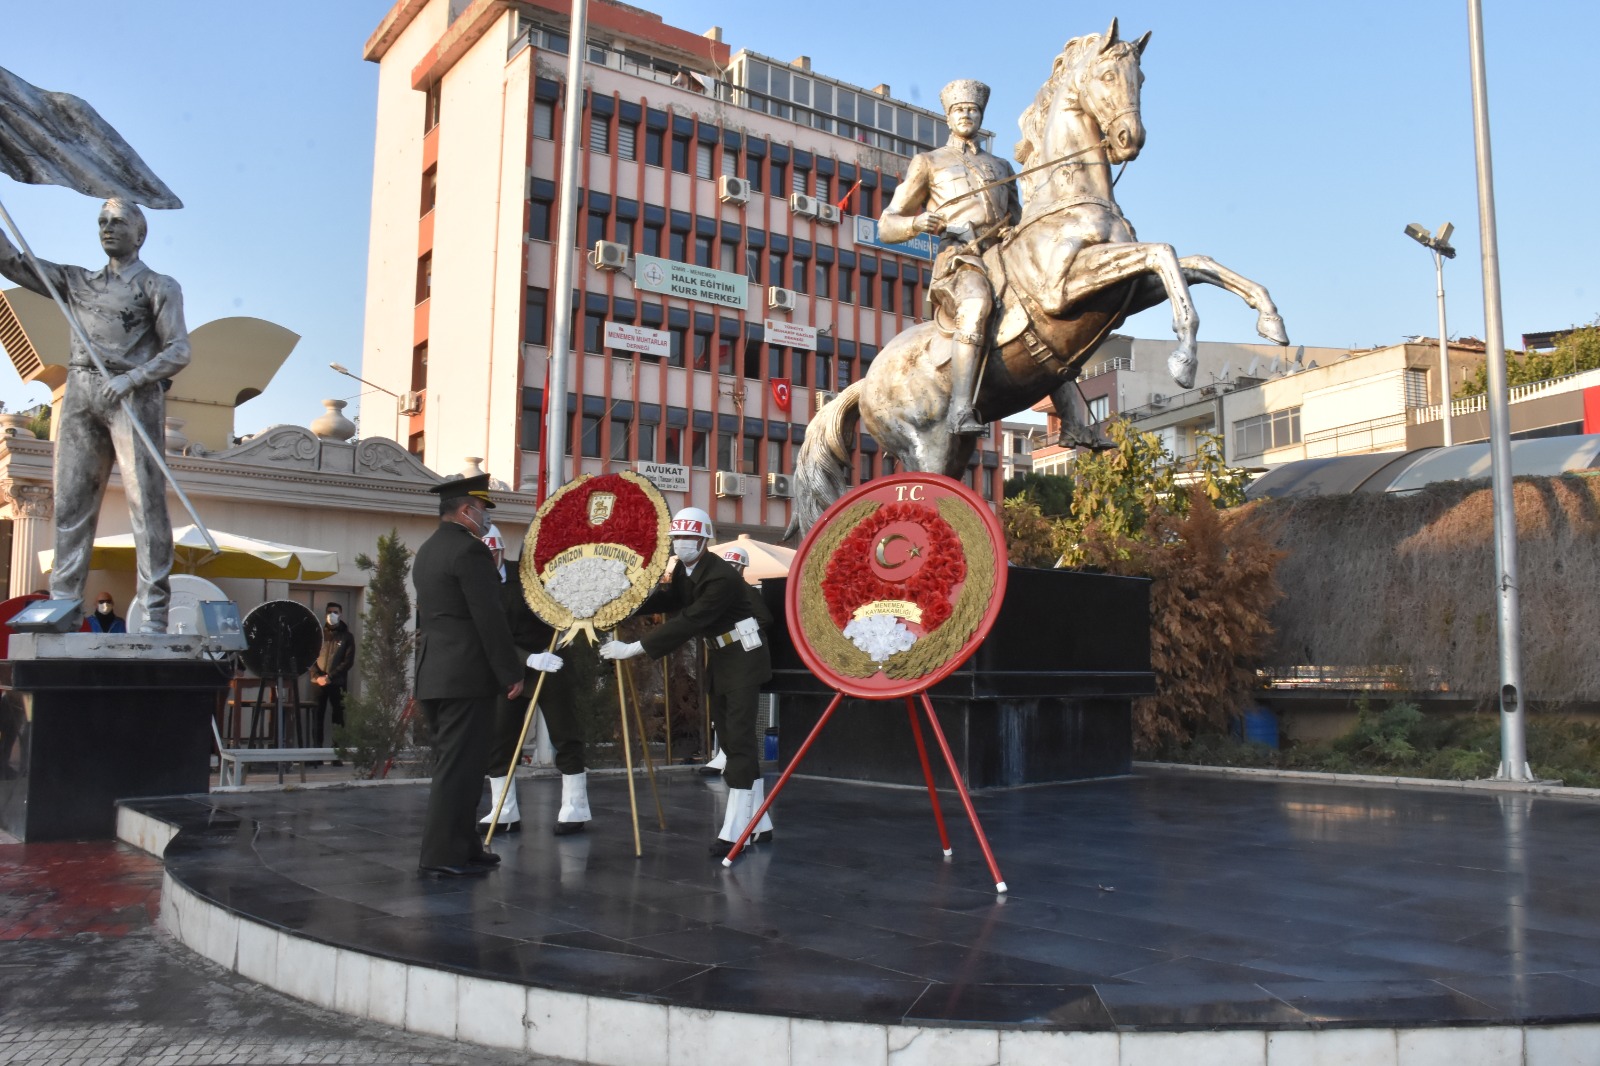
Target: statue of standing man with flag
<point>128,337</point>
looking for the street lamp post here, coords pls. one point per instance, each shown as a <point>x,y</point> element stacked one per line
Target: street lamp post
<point>1439,244</point>
<point>347,372</point>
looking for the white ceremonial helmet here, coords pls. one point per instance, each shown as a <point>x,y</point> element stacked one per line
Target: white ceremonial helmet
<point>737,556</point>
<point>492,539</point>
<point>691,522</point>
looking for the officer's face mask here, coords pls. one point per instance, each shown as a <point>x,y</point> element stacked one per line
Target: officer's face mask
<point>104,607</point>
<point>333,618</point>
<point>688,549</point>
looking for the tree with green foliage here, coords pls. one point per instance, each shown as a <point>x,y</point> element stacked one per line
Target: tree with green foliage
<point>1135,512</point>
<point>1051,494</point>
<point>376,724</point>
<point>1029,534</point>
<point>1576,351</point>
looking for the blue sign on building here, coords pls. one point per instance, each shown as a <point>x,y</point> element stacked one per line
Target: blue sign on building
<point>922,246</point>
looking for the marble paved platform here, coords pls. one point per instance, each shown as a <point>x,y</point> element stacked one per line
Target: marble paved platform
<point>1163,901</point>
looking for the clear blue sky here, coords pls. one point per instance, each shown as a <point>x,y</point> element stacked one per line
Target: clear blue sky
<point>1291,142</point>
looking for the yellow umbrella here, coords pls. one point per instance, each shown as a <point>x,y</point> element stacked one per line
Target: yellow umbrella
<point>766,560</point>
<point>240,557</point>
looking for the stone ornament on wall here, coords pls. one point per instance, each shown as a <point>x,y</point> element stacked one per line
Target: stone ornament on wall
<point>29,500</point>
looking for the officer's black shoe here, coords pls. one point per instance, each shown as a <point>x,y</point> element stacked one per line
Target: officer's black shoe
<point>454,871</point>
<point>484,858</point>
<point>563,829</point>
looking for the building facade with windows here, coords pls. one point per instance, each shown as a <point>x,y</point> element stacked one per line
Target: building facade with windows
<point>764,176</point>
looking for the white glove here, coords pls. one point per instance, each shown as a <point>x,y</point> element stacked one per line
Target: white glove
<point>615,649</point>
<point>549,662</point>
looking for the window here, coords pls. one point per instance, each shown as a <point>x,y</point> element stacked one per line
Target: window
<point>728,258</point>
<point>703,161</point>
<point>725,356</point>
<point>652,240</point>
<point>535,316</point>
<point>800,181</point>
<point>908,297</point>
<point>672,451</point>
<point>797,364</point>
<point>539,211</point>
<point>1099,409</point>
<point>823,190</point>
<point>819,282</point>
<point>697,449</point>
<point>752,172</point>
<point>847,286</point>
<point>424,276</point>
<point>866,290</point>
<point>727,452</point>
<point>654,143</point>
<point>594,332</point>
<point>799,268</point>
<point>1277,429</point>
<point>622,233</point>
<point>774,456</point>
<point>647,443</point>
<point>678,246</point>
<point>776,170</point>
<point>752,358</point>
<point>419,367</point>
<point>599,133</point>
<point>589,430</point>
<point>430,188</point>
<point>730,161</point>
<point>627,140</point>
<point>1416,388</point>
<point>752,449</point>
<point>432,105</point>
<point>680,154</point>
<point>774,269</point>
<point>597,228</point>
<point>678,342</point>
<point>866,466</point>
<point>621,430</point>
<point>824,376</point>
<point>774,362</point>
<point>702,350</point>
<point>888,292</point>
<point>703,251</point>
<point>544,120</point>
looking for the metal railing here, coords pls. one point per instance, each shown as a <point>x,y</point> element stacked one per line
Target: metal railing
<point>1467,405</point>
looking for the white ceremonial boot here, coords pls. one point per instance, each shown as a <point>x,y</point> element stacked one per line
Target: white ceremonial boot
<point>763,830</point>
<point>510,815</point>
<point>574,804</point>
<point>735,817</point>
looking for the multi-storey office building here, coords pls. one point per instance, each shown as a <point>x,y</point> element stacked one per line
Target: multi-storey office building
<point>723,161</point>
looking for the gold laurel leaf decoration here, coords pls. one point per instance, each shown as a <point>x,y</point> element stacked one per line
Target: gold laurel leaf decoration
<point>829,644</point>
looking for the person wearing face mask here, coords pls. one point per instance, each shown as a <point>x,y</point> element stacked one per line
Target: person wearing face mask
<point>330,674</point>
<point>104,619</point>
<point>707,598</point>
<point>465,659</point>
<point>532,637</point>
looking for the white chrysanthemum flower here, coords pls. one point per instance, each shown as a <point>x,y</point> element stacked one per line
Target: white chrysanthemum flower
<point>583,586</point>
<point>880,635</point>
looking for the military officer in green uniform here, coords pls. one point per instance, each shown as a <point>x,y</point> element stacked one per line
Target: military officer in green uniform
<point>465,659</point>
<point>709,599</point>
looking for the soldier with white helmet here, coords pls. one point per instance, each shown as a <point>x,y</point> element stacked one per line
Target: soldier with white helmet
<point>707,598</point>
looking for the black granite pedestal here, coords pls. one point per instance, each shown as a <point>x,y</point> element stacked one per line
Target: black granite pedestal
<point>93,731</point>
<point>1048,696</point>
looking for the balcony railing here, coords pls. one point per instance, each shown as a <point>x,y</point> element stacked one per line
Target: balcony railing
<point>1467,405</point>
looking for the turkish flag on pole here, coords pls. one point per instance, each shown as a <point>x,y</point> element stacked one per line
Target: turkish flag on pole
<point>780,392</point>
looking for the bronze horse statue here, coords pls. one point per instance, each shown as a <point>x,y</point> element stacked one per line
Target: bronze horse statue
<point>1069,272</point>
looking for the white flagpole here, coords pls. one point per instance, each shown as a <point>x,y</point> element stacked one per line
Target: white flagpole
<point>127,404</point>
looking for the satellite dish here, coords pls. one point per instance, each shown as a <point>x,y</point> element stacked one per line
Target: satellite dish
<point>183,610</point>
<point>282,639</point>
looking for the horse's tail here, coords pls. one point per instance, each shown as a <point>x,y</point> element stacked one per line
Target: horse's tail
<point>822,469</point>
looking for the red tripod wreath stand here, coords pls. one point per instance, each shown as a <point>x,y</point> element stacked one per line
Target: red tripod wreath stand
<point>893,589</point>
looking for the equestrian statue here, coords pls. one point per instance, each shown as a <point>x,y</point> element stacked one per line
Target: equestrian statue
<point>1035,269</point>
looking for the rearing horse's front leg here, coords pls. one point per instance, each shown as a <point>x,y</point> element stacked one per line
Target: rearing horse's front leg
<point>1202,269</point>
<point>1101,266</point>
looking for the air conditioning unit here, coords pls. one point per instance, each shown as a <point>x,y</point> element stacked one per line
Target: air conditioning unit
<point>802,205</point>
<point>1157,400</point>
<point>821,398</point>
<point>609,255</point>
<point>732,190</point>
<point>780,485</point>
<point>411,403</point>
<point>781,299</point>
<point>731,484</point>
<point>827,214</point>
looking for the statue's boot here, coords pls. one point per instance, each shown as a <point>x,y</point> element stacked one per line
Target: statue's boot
<point>962,419</point>
<point>574,813</point>
<point>510,814</point>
